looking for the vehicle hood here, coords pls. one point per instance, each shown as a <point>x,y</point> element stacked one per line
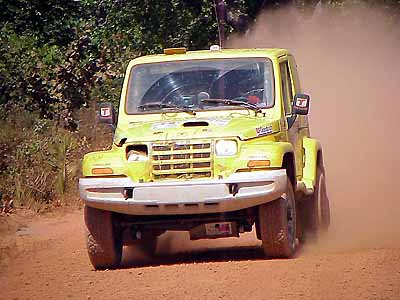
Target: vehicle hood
<point>194,128</point>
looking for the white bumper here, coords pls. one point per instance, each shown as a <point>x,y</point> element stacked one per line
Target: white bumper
<point>239,191</point>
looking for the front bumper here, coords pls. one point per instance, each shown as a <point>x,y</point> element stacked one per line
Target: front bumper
<point>239,191</point>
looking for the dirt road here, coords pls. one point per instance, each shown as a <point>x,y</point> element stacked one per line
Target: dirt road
<point>52,264</point>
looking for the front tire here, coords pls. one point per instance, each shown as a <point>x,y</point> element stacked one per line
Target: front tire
<point>277,225</point>
<point>104,245</point>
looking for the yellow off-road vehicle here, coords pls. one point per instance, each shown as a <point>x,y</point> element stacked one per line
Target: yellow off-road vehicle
<point>212,142</point>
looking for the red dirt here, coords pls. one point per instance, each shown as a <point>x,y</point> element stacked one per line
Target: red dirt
<point>220,269</point>
<point>349,67</point>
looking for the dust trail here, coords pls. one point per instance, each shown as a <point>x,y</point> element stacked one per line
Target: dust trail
<point>349,64</point>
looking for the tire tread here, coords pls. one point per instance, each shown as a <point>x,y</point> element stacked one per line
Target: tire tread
<point>104,249</point>
<point>272,228</point>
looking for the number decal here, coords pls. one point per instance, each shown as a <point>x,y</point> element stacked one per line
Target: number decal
<point>105,111</point>
<point>301,102</point>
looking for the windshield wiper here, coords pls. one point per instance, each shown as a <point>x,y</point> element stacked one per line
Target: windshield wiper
<point>234,103</point>
<point>165,105</point>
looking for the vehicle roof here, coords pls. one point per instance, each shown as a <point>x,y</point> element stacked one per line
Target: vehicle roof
<point>208,54</point>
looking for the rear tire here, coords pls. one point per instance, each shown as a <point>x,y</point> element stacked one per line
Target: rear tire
<point>104,245</point>
<point>316,208</point>
<point>277,224</point>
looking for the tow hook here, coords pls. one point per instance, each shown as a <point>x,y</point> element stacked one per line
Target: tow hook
<point>127,193</point>
<point>233,188</point>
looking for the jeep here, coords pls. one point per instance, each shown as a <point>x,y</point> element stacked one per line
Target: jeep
<point>213,142</point>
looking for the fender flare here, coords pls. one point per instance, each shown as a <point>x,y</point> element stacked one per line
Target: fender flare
<point>312,157</point>
<point>287,152</point>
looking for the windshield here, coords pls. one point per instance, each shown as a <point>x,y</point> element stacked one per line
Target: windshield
<point>186,84</point>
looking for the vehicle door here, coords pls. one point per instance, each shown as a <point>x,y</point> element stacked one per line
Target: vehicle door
<point>297,125</point>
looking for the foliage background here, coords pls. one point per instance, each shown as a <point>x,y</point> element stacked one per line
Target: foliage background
<point>58,58</point>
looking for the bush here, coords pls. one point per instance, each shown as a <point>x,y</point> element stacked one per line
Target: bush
<point>34,170</point>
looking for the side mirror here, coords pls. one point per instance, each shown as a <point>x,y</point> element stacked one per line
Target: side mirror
<point>106,113</point>
<point>301,104</point>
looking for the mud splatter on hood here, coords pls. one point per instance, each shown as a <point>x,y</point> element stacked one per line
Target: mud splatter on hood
<point>191,128</point>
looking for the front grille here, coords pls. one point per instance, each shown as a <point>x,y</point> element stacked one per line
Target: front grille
<point>181,160</point>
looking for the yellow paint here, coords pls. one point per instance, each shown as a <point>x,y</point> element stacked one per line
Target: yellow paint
<point>311,148</point>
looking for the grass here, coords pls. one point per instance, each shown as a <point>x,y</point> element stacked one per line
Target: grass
<point>41,162</point>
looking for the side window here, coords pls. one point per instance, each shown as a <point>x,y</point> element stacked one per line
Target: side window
<point>295,74</point>
<point>286,83</point>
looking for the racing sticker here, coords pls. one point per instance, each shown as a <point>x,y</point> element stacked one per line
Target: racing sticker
<point>219,122</point>
<point>164,125</point>
<point>301,102</point>
<point>105,111</point>
<point>260,131</point>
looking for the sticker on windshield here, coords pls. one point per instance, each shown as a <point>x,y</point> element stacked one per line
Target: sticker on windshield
<point>264,130</point>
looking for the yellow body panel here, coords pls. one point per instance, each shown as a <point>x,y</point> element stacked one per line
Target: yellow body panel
<point>311,148</point>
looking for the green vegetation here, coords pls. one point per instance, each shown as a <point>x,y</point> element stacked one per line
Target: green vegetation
<point>59,58</point>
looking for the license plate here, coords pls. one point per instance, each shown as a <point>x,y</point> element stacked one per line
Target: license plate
<point>223,228</point>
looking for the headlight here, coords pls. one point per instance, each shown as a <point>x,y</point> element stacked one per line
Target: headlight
<point>136,156</point>
<point>225,148</point>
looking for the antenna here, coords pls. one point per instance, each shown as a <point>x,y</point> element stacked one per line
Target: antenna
<point>220,13</point>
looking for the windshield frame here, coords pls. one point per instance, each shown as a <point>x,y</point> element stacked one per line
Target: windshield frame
<point>211,109</point>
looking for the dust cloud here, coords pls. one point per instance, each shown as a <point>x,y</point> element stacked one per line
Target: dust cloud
<point>349,65</point>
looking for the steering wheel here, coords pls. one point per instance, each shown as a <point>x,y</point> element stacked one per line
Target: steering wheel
<point>255,92</point>
<point>171,92</point>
